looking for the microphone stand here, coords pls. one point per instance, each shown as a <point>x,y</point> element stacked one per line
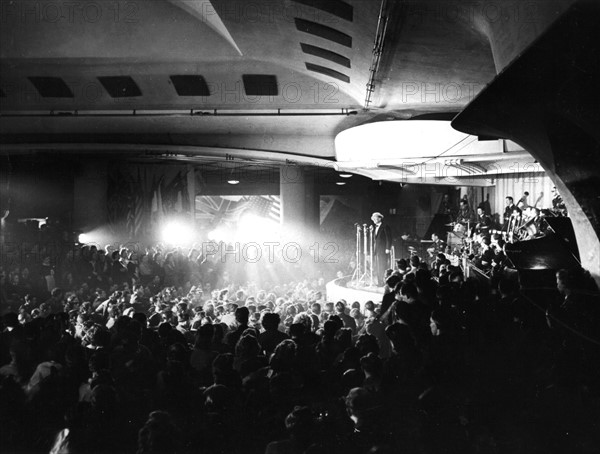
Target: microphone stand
<point>371,231</point>
<point>356,275</point>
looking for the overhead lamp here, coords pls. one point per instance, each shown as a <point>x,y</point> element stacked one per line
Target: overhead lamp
<point>340,183</point>
<point>232,178</point>
<point>345,175</point>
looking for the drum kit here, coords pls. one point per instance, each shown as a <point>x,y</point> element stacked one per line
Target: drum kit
<point>459,229</point>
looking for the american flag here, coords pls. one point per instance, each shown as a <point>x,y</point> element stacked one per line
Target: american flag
<point>266,206</point>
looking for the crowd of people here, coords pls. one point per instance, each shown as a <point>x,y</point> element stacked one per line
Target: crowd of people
<point>115,351</point>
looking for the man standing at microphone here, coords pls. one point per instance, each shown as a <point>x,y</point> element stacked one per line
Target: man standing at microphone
<point>382,243</point>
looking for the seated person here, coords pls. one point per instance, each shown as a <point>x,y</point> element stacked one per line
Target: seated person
<point>437,246</point>
<point>484,222</point>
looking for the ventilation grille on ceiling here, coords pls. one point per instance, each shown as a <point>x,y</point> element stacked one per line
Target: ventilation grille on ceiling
<point>326,54</point>
<point>328,72</point>
<point>322,31</point>
<point>51,87</point>
<point>260,85</point>
<point>120,86</point>
<point>190,85</point>
<point>335,7</point>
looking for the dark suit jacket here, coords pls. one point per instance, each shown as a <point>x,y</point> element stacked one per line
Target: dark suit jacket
<point>383,239</point>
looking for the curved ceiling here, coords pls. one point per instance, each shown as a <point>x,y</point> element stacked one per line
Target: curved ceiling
<point>272,76</point>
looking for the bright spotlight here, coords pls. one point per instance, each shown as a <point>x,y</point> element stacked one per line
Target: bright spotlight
<point>345,175</point>
<point>233,181</point>
<point>84,238</point>
<point>256,228</point>
<point>176,233</point>
<point>219,234</point>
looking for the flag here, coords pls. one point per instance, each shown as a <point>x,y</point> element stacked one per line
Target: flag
<point>215,210</point>
<point>175,196</point>
<point>157,212</point>
<point>135,215</point>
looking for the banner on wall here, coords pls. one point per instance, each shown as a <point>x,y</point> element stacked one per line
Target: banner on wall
<point>215,211</point>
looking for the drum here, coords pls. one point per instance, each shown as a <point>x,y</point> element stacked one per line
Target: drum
<point>460,228</point>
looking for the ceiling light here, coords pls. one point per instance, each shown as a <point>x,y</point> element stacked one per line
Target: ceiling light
<point>346,175</point>
<point>232,177</point>
<point>340,183</point>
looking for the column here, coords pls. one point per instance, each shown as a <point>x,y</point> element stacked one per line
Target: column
<point>299,203</point>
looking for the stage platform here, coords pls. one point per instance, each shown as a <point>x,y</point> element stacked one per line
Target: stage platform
<point>339,289</point>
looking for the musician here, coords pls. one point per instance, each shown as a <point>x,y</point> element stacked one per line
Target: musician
<point>465,214</point>
<point>447,209</point>
<point>486,254</point>
<point>437,246</point>
<point>484,222</point>
<point>382,243</point>
<point>558,205</point>
<point>510,210</point>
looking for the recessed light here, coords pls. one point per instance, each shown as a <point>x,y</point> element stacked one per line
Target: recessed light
<point>233,181</point>
<point>346,175</point>
<point>340,183</point>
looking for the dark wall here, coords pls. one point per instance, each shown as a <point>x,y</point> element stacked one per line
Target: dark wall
<point>39,186</point>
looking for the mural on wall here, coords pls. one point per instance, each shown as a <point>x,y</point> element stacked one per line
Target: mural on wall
<point>217,211</point>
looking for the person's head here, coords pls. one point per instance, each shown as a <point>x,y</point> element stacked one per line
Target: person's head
<point>415,261</point>
<point>377,218</point>
<point>371,365</point>
<point>509,201</point>
<point>479,211</point>
<point>315,308</point>
<point>434,237</point>
<point>409,291</point>
<point>158,435</point>
<point>270,321</point>
<point>367,343</point>
<point>565,281</point>
<point>241,315</point>
<point>439,322</point>
<point>463,204</point>
<point>300,425</point>
<point>402,264</point>
<point>358,401</point>
<point>340,307</point>
<point>357,315</point>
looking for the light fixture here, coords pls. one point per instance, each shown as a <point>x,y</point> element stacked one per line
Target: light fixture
<point>340,183</point>
<point>345,175</point>
<point>232,178</point>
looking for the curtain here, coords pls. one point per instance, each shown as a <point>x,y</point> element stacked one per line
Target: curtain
<point>538,184</point>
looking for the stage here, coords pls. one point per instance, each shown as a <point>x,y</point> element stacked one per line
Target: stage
<point>337,290</point>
